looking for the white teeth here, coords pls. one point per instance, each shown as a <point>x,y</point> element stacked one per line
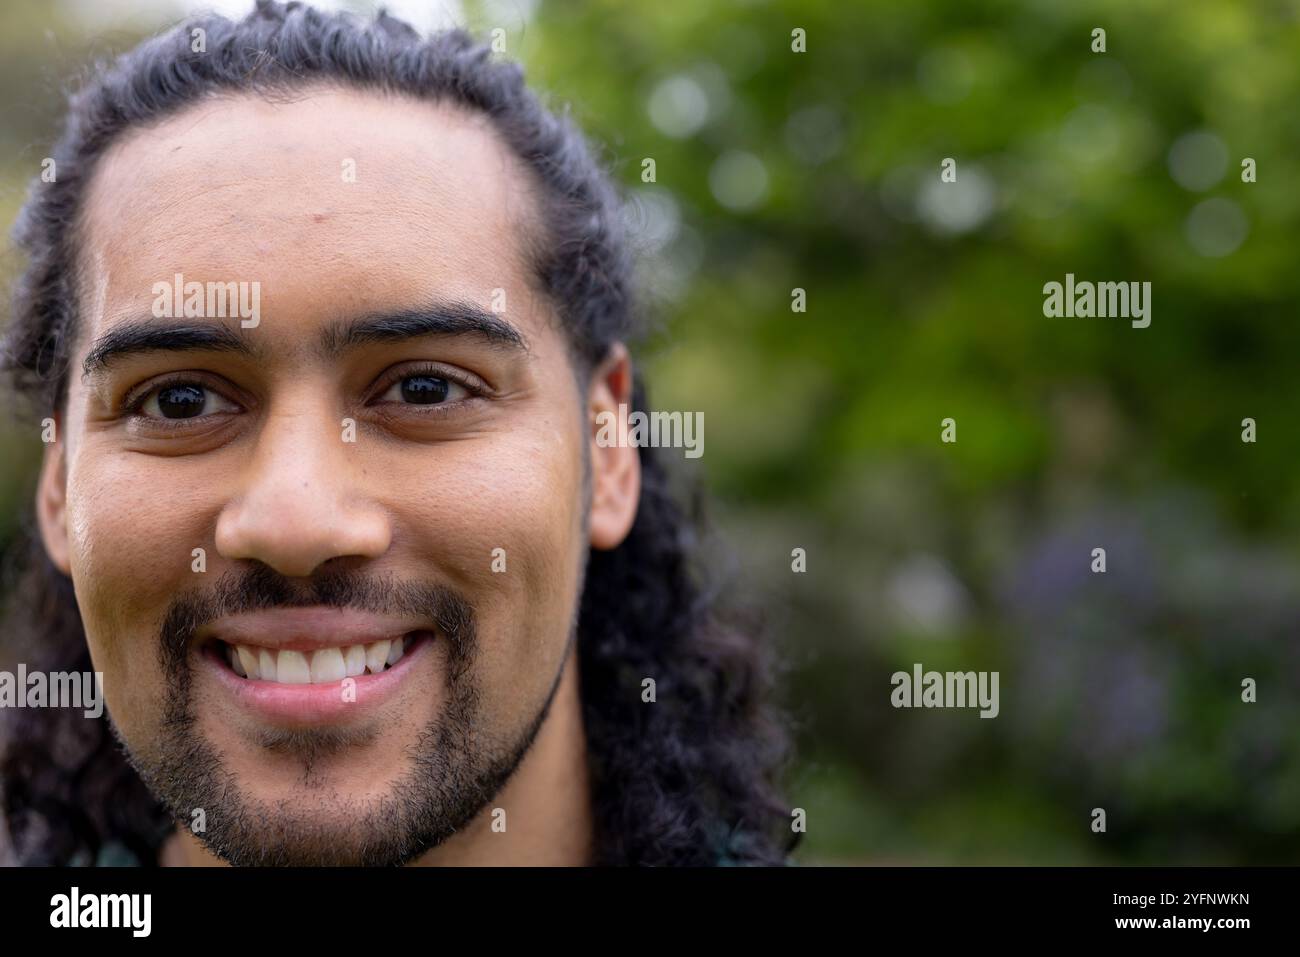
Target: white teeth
<point>292,669</point>
<point>266,665</point>
<point>377,656</point>
<point>324,666</point>
<point>248,662</point>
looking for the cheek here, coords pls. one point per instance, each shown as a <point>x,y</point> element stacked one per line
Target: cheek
<point>503,516</point>
<point>131,531</point>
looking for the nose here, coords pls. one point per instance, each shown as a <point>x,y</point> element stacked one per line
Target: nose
<point>299,503</point>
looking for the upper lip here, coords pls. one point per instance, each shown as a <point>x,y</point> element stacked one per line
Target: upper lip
<point>305,629</point>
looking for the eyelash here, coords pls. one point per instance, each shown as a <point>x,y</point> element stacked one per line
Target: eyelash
<point>133,405</point>
<point>476,388</point>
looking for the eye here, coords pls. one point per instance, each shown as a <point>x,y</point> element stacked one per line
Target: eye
<point>424,389</point>
<point>183,400</point>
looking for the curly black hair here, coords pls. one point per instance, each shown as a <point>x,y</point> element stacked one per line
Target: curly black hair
<point>694,779</point>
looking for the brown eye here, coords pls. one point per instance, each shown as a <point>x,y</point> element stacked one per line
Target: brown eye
<point>181,401</point>
<point>184,400</point>
<point>424,389</point>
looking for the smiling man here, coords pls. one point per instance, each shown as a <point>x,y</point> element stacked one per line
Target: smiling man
<point>362,584</point>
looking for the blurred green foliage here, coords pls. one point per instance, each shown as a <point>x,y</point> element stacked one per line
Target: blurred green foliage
<point>820,170</point>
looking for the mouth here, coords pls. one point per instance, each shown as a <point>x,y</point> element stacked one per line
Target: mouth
<point>313,686</point>
<point>323,666</point>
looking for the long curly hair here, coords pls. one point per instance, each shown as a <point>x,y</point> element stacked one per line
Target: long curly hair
<point>694,778</point>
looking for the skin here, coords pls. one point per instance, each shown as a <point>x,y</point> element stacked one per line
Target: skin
<point>241,189</point>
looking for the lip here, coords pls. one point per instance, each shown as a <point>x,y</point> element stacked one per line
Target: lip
<point>307,629</point>
<point>314,704</point>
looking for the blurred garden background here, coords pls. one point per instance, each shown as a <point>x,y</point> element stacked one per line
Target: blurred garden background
<point>778,170</point>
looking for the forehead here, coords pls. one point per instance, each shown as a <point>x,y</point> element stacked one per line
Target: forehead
<point>336,201</point>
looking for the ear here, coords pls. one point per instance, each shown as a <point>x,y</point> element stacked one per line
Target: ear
<point>615,464</point>
<point>52,502</point>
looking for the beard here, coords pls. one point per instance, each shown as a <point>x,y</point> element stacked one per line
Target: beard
<point>456,765</point>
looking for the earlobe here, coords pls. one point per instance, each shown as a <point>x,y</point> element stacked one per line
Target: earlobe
<point>615,462</point>
<point>51,506</point>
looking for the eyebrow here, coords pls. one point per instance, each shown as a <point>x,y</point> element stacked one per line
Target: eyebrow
<point>444,319</point>
<point>139,336</point>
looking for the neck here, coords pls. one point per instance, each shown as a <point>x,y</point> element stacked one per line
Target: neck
<point>548,817</point>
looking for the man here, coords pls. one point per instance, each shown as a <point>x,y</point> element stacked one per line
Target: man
<point>322,318</point>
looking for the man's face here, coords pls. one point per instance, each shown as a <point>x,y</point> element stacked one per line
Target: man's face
<point>349,481</point>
